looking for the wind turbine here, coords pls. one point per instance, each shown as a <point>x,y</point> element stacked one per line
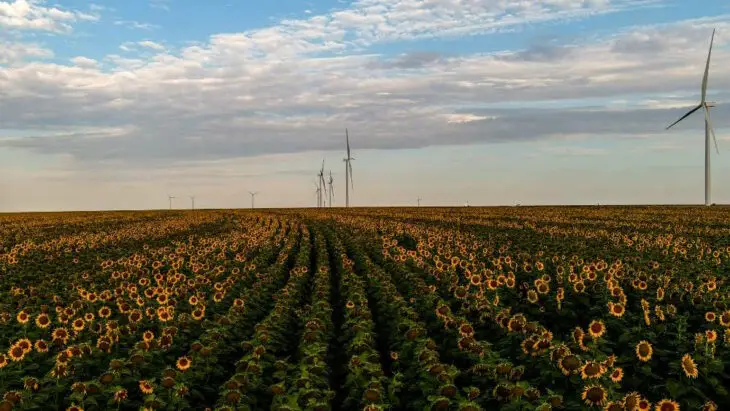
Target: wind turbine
<point>332,189</point>
<point>708,124</point>
<point>192,200</point>
<point>322,188</point>
<point>317,191</point>
<point>348,171</point>
<point>169,198</point>
<point>419,201</point>
<point>253,195</point>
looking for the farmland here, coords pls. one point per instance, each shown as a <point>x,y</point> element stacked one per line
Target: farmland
<point>519,308</point>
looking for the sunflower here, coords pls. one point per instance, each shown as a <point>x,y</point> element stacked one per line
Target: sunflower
<point>644,350</point>
<point>148,336</point>
<point>146,387</point>
<point>78,324</point>
<point>644,405</point>
<point>711,336</point>
<point>671,309</point>
<point>617,374</point>
<point>3,360</point>
<point>725,318</point>
<point>709,406</point>
<point>532,296</point>
<point>198,314</point>
<point>666,405</point>
<point>350,305</point>
<point>42,321</point>
<point>22,317</point>
<point>41,346</point>
<point>614,406</point>
<point>183,363</point>
<point>594,395</point>
<point>16,353</point>
<point>710,317</point>
<point>31,384</point>
<point>578,335</point>
<point>689,367</point>
<point>25,344</point>
<point>631,401</point>
<point>134,316</point>
<point>616,309</point>
<point>466,330</point>
<point>592,370</point>
<point>596,329</point>
<point>74,407</point>
<point>569,364</point>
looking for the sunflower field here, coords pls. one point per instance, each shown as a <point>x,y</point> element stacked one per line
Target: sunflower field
<point>514,308</point>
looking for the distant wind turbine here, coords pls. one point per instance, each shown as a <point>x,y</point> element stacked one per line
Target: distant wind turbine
<point>419,201</point>
<point>253,195</point>
<point>708,124</point>
<point>169,198</point>
<point>322,188</point>
<point>332,189</point>
<point>317,191</point>
<point>348,171</point>
<point>192,200</point>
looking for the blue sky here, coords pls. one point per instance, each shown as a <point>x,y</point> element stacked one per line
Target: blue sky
<point>112,105</point>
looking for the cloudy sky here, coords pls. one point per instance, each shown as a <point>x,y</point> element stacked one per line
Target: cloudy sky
<point>116,104</point>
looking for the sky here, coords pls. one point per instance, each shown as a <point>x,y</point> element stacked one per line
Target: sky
<point>116,105</point>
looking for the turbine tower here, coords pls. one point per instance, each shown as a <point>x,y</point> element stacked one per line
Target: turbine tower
<point>322,188</point>
<point>169,198</point>
<point>192,200</point>
<point>317,191</point>
<point>332,189</point>
<point>348,171</point>
<point>253,195</point>
<point>318,188</point>
<point>708,124</point>
<point>419,201</point>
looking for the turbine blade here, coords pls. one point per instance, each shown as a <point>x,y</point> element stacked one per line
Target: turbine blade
<point>351,183</point>
<point>347,138</point>
<point>685,116</point>
<point>707,69</point>
<point>712,130</point>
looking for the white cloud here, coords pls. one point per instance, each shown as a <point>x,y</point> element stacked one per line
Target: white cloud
<point>466,118</point>
<point>151,44</point>
<point>160,4</point>
<point>136,25</point>
<point>269,90</point>
<point>32,15</point>
<point>85,62</point>
<point>13,52</point>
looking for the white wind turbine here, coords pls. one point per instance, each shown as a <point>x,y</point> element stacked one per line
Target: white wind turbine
<point>253,196</point>
<point>169,198</point>
<point>348,171</point>
<point>322,186</point>
<point>192,200</point>
<point>332,189</point>
<point>708,124</point>
<point>317,191</point>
